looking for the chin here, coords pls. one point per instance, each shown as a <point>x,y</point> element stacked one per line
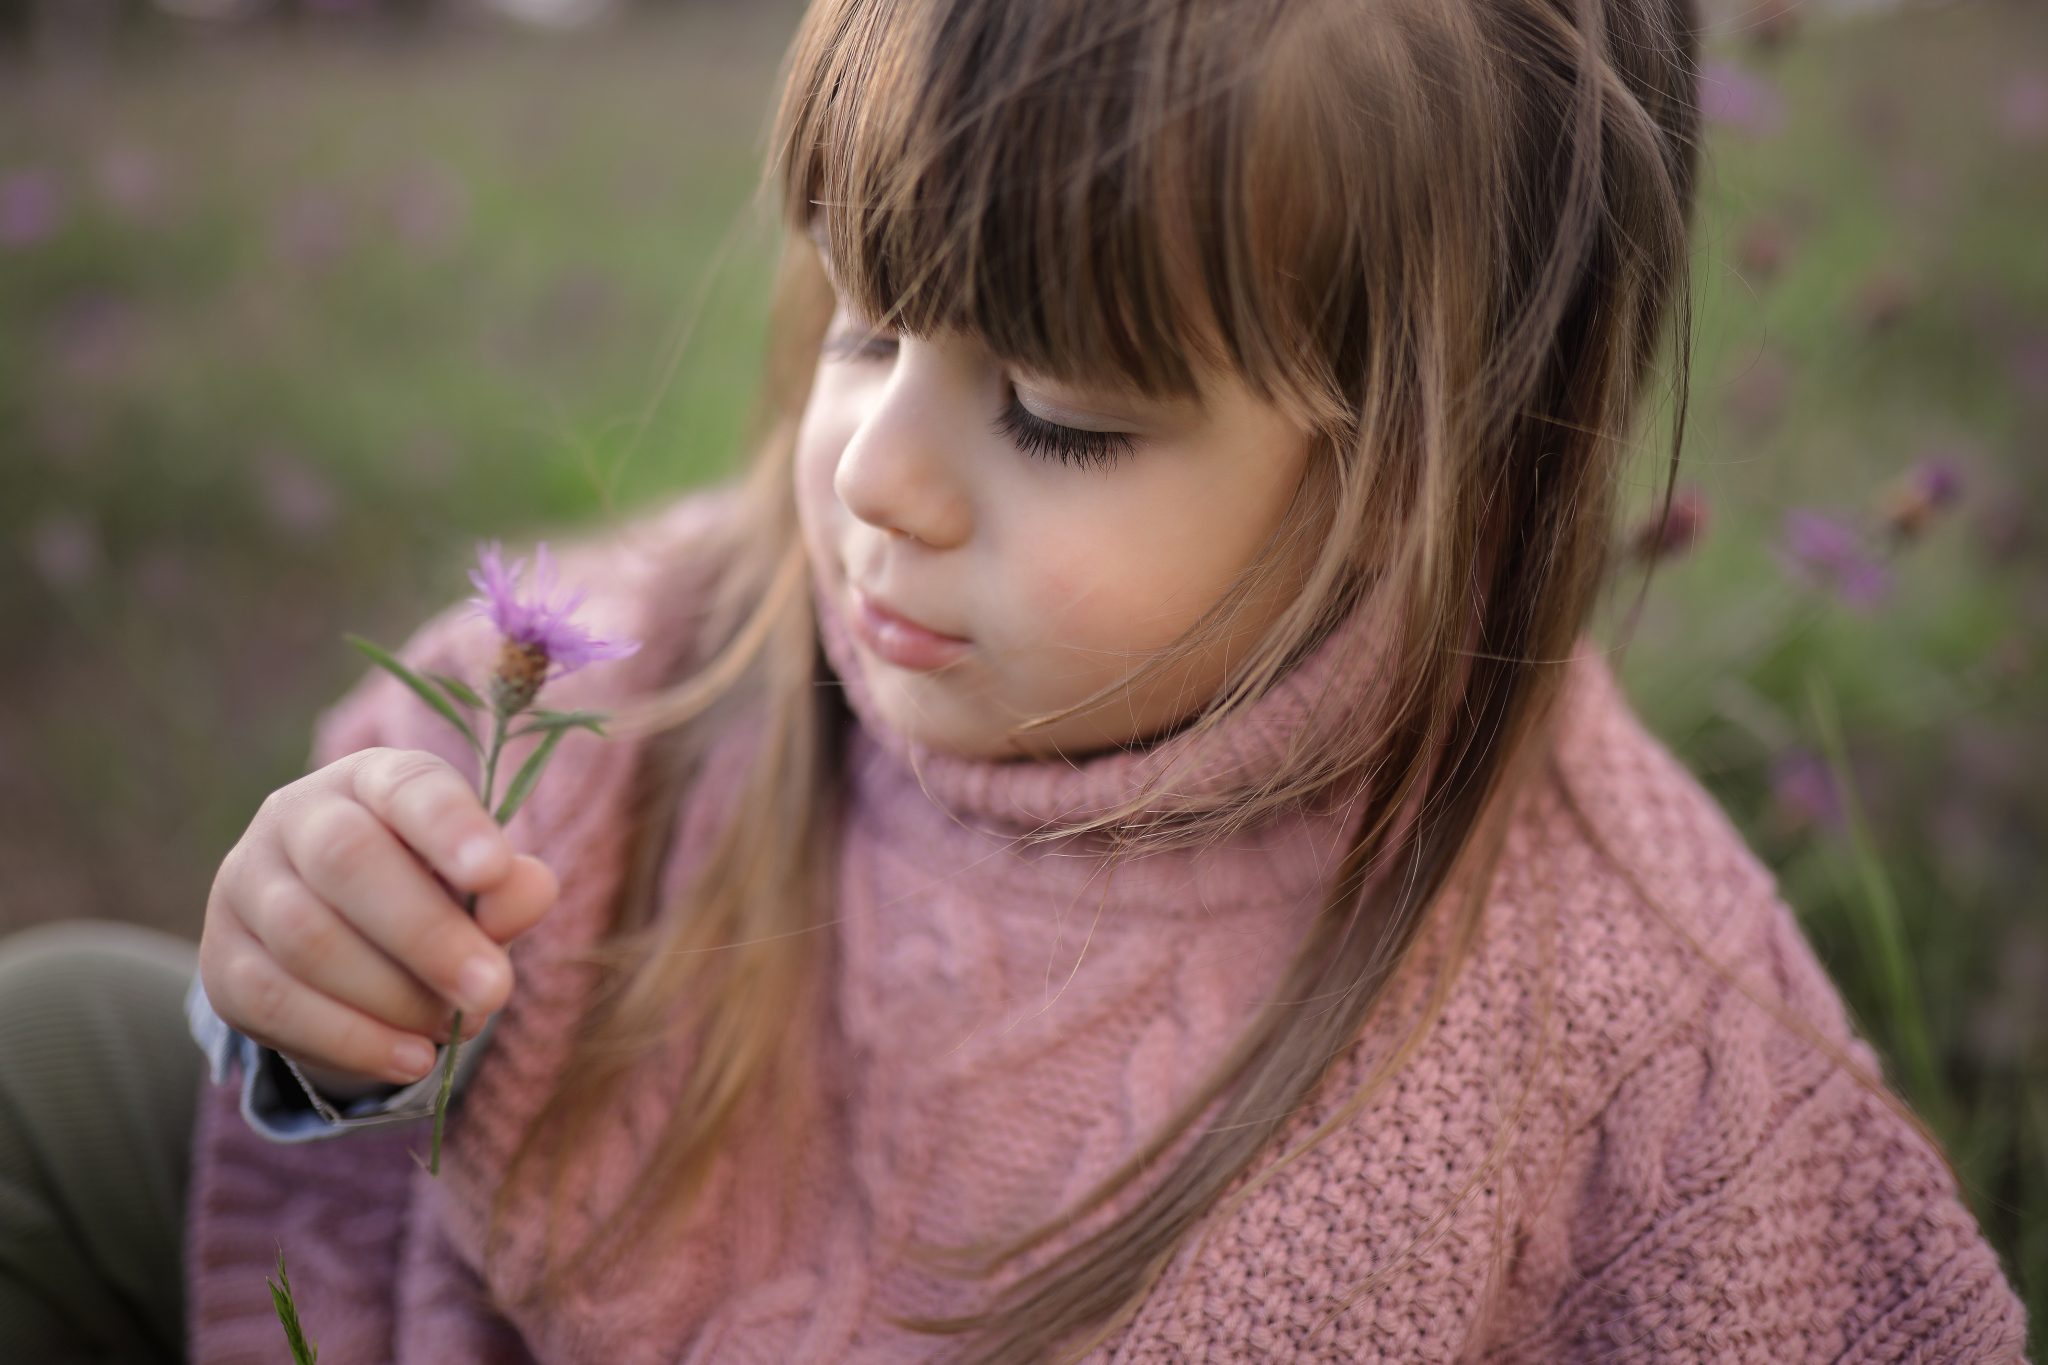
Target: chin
<point>930,721</point>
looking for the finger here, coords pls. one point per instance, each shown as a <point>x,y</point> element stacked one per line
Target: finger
<point>311,941</point>
<point>278,1011</point>
<point>434,811</point>
<point>519,902</point>
<point>349,859</point>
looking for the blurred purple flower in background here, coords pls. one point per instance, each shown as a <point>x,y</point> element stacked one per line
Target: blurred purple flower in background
<point>2023,108</point>
<point>1912,502</point>
<point>1740,99</point>
<point>297,500</point>
<point>1770,24</point>
<point>1877,115</point>
<point>1883,299</point>
<point>162,575</point>
<point>1756,395</point>
<point>1803,792</point>
<point>312,227</point>
<point>96,335</point>
<point>1828,552</point>
<point>1765,244</point>
<point>1919,186</point>
<point>429,207</point>
<point>1674,533</point>
<point>130,181</point>
<point>31,207</point>
<point>64,549</point>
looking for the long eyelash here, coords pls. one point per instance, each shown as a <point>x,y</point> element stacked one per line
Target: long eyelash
<point>1069,445</point>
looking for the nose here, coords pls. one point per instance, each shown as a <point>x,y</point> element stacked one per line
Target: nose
<point>900,468</point>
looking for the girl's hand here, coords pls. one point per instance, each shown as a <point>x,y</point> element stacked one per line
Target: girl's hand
<point>335,931</point>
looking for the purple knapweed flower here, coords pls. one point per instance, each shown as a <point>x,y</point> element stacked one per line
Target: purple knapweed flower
<point>313,226</point>
<point>1739,98</point>
<point>65,550</point>
<point>428,207</point>
<point>1803,791</point>
<point>1913,501</point>
<point>1756,395</point>
<point>539,636</point>
<point>130,179</point>
<point>299,502</point>
<point>1765,244</point>
<point>1829,552</point>
<point>2023,108</point>
<point>1672,534</point>
<point>31,207</point>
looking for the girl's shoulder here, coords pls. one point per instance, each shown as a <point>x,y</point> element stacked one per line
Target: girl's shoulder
<point>1630,899</point>
<point>1647,880</point>
<point>1713,1141</point>
<point>1604,1147</point>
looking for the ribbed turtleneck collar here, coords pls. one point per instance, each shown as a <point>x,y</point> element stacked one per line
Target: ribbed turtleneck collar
<point>1308,706</point>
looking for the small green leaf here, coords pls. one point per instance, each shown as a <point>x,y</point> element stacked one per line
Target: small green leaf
<point>529,773</point>
<point>384,659</point>
<point>544,721</point>
<point>460,690</point>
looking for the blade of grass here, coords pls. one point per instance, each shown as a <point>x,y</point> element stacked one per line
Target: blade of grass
<point>304,1351</point>
<point>1880,920</point>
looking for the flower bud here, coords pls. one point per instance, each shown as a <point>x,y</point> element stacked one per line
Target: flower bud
<point>522,667</point>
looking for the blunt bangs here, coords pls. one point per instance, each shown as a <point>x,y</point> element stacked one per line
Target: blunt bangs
<point>913,143</point>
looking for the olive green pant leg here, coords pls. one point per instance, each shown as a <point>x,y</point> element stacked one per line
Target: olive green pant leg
<point>99,1085</point>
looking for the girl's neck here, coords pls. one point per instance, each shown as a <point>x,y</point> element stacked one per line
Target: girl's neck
<point>1327,689</point>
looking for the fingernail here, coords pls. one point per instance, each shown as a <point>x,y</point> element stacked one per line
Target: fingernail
<point>475,855</point>
<point>412,1058</point>
<point>479,982</point>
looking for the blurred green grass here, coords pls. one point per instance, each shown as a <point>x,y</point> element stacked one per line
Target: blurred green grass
<point>311,313</point>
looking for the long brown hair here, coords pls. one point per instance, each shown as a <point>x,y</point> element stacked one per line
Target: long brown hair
<point>1451,238</point>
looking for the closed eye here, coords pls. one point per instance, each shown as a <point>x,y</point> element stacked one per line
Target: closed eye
<point>1034,435</point>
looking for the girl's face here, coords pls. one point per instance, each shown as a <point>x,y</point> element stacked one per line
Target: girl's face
<point>1059,534</point>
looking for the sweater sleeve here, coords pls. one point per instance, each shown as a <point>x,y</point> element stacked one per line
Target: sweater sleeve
<point>1741,1197</point>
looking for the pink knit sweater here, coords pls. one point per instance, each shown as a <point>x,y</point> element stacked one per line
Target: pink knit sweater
<point>1687,1181</point>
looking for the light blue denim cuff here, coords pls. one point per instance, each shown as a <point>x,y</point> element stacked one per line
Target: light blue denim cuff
<point>276,1094</point>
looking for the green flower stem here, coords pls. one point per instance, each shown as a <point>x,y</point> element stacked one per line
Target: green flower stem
<point>498,725</point>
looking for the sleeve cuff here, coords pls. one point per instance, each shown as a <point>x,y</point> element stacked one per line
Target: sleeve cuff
<point>280,1103</point>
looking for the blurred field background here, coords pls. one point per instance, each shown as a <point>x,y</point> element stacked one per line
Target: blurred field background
<point>296,306</point>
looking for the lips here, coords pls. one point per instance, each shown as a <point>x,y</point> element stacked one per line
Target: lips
<point>901,640</point>
<point>875,605</point>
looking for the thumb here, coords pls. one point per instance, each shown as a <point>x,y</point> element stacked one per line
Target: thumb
<point>518,902</point>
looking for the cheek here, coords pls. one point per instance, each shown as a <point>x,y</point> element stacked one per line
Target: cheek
<point>1108,582</point>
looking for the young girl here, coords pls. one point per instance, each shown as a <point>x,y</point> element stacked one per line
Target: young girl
<point>1117,845</point>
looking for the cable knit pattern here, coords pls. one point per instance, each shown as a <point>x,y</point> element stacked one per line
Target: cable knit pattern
<point>1682,1180</point>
